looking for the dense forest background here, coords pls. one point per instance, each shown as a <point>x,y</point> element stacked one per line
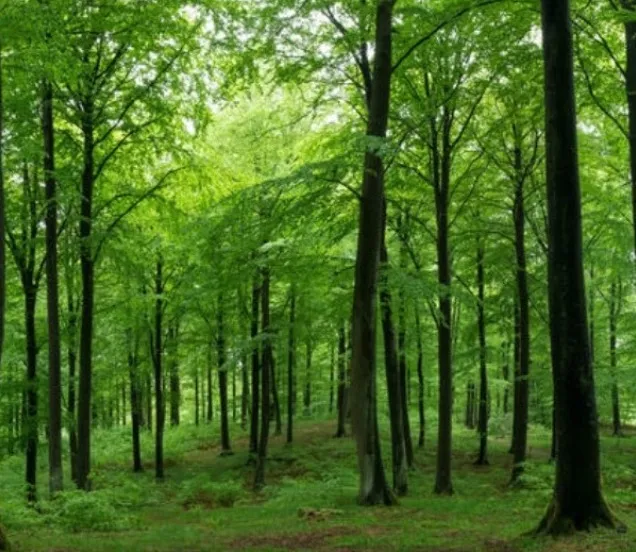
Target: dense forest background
<point>185,234</point>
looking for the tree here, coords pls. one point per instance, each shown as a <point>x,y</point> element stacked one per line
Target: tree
<point>578,503</point>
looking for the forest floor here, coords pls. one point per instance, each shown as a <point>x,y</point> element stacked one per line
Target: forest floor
<point>206,504</point>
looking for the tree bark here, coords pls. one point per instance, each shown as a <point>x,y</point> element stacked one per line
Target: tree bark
<point>342,381</point>
<point>209,394</point>
<point>259,477</point>
<point>577,503</point>
<point>135,399</point>
<point>373,485</point>
<point>256,365</point>
<point>226,447</point>
<point>420,380</point>
<point>307,393</point>
<point>277,413</point>
<point>398,447</point>
<point>291,365</point>
<point>404,379</point>
<point>175,382</point>
<point>482,459</point>
<point>615,308</point>
<point>157,353</point>
<point>3,258</point>
<point>88,295</point>
<point>31,421</point>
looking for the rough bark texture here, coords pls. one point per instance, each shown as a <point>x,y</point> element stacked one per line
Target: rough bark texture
<point>578,503</point>
<point>482,459</point>
<point>373,485</point>
<point>398,447</point>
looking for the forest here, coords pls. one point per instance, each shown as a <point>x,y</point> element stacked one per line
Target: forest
<point>317,275</point>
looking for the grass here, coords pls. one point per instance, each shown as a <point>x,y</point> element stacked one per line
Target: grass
<point>206,502</point>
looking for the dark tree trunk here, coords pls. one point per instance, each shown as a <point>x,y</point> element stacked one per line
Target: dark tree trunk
<point>52,304</point>
<point>175,380</point>
<point>245,385</point>
<point>469,422</point>
<point>277,413</point>
<point>259,477</point>
<point>196,397</point>
<point>209,394</point>
<point>291,365</point>
<point>157,353</point>
<point>88,295</point>
<point>577,503</point>
<point>342,381</point>
<point>630,88</point>
<point>148,395</point>
<point>373,485</point>
<point>505,372</point>
<point>615,308</point>
<point>135,399</point>
<point>31,419</point>
<point>226,447</point>
<point>482,459</point>
<point>398,447</point>
<point>256,366</point>
<point>332,375</point>
<point>420,380</point>
<point>522,367</point>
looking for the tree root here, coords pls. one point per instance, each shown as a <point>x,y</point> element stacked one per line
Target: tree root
<point>555,522</point>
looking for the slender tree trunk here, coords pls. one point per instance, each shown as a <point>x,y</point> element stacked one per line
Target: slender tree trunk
<point>291,365</point>
<point>88,282</point>
<point>149,401</point>
<point>342,381</point>
<point>256,366</point>
<point>259,478</point>
<point>577,503</point>
<point>31,421</point>
<point>3,282</point>
<point>522,368</point>
<point>332,375</point>
<point>373,485</point>
<point>196,397</point>
<point>175,380</point>
<point>404,379</point>
<point>482,459</point>
<point>630,88</point>
<point>615,308</point>
<point>307,394</point>
<point>420,380</point>
<point>398,447</point>
<point>157,352</point>
<point>226,447</point>
<point>53,312</point>
<point>277,414</point>
<point>209,395</point>
<point>135,398</point>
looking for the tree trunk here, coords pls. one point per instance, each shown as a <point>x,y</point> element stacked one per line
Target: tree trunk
<point>404,379</point>
<point>615,308</point>
<point>256,367</point>
<point>196,397</point>
<point>373,485</point>
<point>149,401</point>
<point>398,447</point>
<point>209,395</point>
<point>342,381</point>
<point>577,503</point>
<point>291,365</point>
<point>276,402</point>
<point>482,459</point>
<point>332,375</point>
<point>226,447</point>
<point>522,367</point>
<point>53,312</point>
<point>175,382</point>
<point>31,421</point>
<point>307,393</point>
<point>157,353</point>
<point>259,478</point>
<point>88,295</point>
<point>420,380</point>
<point>630,88</point>
<point>3,282</point>
<point>135,399</point>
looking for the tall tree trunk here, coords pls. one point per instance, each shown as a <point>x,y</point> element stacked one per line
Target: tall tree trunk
<point>505,372</point>
<point>482,459</point>
<point>196,397</point>
<point>373,485</point>
<point>522,368</point>
<point>31,419</point>
<point>226,447</point>
<point>332,375</point>
<point>157,353</point>
<point>342,381</point>
<point>630,88</point>
<point>245,385</point>
<point>52,305</point>
<point>307,393</point>
<point>256,366</point>
<point>398,447</point>
<point>135,398</point>
<point>3,282</point>
<point>291,365</point>
<point>615,308</point>
<point>404,379</point>
<point>88,282</point>
<point>272,383</point>
<point>148,395</point>
<point>577,503</point>
<point>420,380</point>
<point>259,477</point>
<point>209,394</point>
<point>175,381</point>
